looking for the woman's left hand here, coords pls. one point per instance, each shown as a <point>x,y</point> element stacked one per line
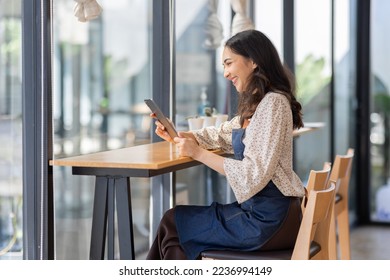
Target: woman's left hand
<point>187,146</point>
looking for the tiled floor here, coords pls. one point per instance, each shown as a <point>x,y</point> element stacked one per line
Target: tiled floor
<point>370,243</point>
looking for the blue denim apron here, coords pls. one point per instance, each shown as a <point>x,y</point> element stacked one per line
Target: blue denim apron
<point>245,227</point>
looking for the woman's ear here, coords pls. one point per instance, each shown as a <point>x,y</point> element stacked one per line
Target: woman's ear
<point>254,65</point>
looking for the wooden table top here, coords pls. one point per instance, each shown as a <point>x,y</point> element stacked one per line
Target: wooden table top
<point>309,127</point>
<point>149,156</point>
<point>152,156</point>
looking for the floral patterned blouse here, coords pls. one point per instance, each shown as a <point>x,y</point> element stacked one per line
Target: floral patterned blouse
<point>268,144</point>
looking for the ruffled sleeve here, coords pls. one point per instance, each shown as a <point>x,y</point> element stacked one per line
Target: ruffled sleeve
<point>217,137</point>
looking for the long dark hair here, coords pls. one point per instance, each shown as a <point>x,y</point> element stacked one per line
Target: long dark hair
<point>270,74</point>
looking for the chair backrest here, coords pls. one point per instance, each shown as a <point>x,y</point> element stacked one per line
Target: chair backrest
<point>318,180</point>
<point>341,172</point>
<point>339,232</point>
<point>315,225</point>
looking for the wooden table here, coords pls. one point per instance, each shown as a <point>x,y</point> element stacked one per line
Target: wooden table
<point>113,170</point>
<point>309,127</point>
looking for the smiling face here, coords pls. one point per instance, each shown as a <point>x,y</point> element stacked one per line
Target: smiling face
<point>237,68</point>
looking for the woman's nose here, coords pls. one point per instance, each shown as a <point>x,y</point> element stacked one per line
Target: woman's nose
<point>226,73</point>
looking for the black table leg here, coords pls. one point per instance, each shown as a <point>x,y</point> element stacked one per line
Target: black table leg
<point>99,219</point>
<point>111,219</point>
<point>107,190</point>
<point>125,219</point>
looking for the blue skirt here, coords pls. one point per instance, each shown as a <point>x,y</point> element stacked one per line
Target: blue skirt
<point>245,227</point>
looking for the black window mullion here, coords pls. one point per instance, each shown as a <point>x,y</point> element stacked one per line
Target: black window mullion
<point>163,79</point>
<point>38,224</point>
<point>332,84</point>
<point>363,110</point>
<point>288,34</point>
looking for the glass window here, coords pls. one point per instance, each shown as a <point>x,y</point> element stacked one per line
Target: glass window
<point>344,88</point>
<point>313,73</point>
<point>202,27</point>
<point>102,74</point>
<point>11,164</point>
<point>380,112</point>
<point>268,16</point>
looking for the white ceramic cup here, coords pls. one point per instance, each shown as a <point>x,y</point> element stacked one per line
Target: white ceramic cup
<point>195,123</point>
<point>220,119</point>
<point>209,121</point>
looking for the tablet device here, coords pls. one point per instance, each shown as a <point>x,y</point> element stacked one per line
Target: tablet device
<point>162,119</point>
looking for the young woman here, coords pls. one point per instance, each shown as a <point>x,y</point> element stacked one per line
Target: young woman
<point>267,213</point>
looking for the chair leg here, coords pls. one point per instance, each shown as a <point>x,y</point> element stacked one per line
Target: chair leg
<point>343,235</point>
<point>332,239</point>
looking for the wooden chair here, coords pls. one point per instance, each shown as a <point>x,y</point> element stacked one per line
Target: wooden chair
<point>318,180</point>
<point>313,236</point>
<point>339,240</point>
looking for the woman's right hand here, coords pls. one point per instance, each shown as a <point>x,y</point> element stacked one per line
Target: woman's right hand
<point>161,131</point>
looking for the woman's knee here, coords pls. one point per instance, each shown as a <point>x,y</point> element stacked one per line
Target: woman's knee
<point>168,218</point>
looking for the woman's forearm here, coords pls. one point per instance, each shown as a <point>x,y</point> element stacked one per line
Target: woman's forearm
<point>212,160</point>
